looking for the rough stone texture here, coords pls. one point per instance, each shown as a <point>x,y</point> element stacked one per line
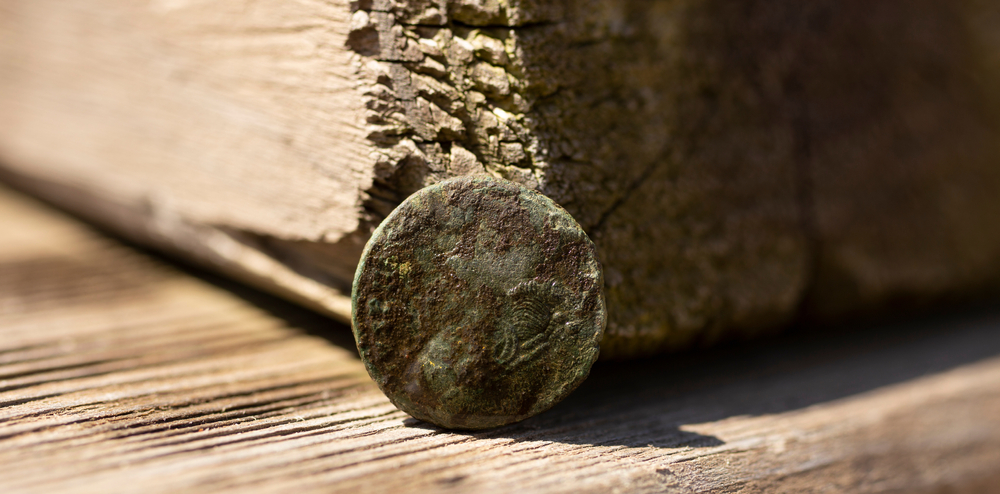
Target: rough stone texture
<point>737,164</point>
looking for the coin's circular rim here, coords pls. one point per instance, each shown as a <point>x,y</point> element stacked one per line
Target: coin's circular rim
<point>600,312</point>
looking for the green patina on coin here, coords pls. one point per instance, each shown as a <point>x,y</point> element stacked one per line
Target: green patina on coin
<point>478,303</point>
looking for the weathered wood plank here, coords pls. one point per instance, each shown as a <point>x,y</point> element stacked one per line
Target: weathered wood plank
<point>737,164</point>
<point>120,372</point>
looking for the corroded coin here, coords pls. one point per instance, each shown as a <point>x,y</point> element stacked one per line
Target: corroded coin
<point>478,303</point>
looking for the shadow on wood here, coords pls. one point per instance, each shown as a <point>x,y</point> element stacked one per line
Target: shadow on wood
<point>645,403</point>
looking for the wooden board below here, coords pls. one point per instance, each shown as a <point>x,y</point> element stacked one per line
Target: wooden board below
<point>121,372</point>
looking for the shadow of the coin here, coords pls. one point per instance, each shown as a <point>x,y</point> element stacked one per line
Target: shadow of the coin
<point>648,402</point>
<point>670,437</point>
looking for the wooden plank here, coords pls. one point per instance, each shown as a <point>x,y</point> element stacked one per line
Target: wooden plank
<point>737,164</point>
<point>120,372</point>
<point>196,126</point>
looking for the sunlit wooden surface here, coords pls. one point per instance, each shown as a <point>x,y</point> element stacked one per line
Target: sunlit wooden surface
<point>121,372</point>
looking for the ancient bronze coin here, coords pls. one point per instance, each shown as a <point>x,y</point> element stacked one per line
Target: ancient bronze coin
<point>478,303</point>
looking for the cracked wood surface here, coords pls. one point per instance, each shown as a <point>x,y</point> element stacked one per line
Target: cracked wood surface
<point>120,372</point>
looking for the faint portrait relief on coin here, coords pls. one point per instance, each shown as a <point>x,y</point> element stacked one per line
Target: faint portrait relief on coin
<point>478,303</point>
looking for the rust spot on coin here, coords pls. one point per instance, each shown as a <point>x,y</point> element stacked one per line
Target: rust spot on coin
<point>478,303</point>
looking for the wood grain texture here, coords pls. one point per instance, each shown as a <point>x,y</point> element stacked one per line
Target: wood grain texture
<point>197,126</point>
<point>122,373</point>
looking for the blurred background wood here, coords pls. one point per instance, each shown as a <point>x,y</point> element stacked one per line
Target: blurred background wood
<point>739,165</point>
<point>122,372</point>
